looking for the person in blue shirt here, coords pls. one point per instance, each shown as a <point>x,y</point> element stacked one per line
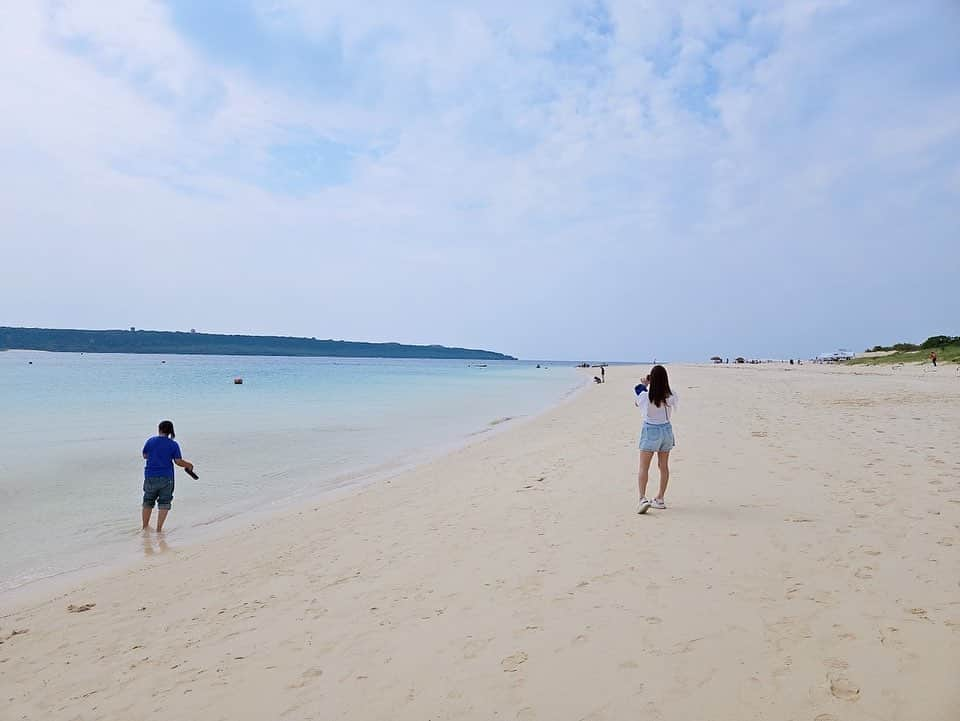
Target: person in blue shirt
<point>160,453</point>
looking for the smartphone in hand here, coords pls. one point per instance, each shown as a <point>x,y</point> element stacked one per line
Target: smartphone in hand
<point>189,472</point>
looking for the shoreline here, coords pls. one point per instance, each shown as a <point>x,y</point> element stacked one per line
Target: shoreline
<point>804,568</point>
<point>224,526</point>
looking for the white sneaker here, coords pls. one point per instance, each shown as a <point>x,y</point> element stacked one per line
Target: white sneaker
<point>644,506</point>
<point>658,504</point>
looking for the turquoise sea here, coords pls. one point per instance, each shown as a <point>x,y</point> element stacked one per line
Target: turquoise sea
<point>73,426</point>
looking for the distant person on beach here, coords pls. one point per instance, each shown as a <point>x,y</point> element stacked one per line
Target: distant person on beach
<point>658,404</point>
<point>933,358</point>
<point>603,374</point>
<point>160,453</point>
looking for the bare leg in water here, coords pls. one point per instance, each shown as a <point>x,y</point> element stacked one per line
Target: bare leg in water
<point>161,517</point>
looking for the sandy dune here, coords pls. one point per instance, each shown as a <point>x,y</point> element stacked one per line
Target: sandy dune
<point>807,568</point>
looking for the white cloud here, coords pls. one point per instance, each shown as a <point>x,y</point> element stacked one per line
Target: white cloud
<point>515,167</point>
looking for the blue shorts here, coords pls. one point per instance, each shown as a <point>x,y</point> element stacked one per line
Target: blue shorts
<point>159,491</point>
<point>655,437</point>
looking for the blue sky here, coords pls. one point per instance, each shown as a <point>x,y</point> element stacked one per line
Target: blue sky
<point>603,179</point>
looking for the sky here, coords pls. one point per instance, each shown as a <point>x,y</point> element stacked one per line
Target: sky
<point>598,179</point>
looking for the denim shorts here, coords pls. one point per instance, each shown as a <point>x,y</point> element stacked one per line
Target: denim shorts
<point>655,437</point>
<point>159,491</point>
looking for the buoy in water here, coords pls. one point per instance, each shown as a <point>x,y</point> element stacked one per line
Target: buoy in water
<point>238,381</point>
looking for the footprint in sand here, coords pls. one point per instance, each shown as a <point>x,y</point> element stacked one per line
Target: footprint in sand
<point>512,663</point>
<point>81,608</point>
<point>473,647</point>
<point>307,676</point>
<point>14,632</point>
<point>842,688</point>
<point>888,635</point>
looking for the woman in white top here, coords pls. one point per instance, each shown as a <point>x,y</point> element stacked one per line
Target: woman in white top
<point>658,404</point>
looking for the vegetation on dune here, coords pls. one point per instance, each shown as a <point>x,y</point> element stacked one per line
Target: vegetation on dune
<point>946,347</point>
<point>931,343</point>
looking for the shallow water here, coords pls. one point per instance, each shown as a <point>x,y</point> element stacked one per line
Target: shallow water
<point>74,425</point>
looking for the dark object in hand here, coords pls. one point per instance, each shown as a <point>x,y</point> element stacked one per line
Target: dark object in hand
<point>190,473</point>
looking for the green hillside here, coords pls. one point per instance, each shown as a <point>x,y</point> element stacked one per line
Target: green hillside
<point>153,341</point>
<point>946,347</point>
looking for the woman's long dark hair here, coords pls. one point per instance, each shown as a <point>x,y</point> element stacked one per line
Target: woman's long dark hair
<point>166,429</point>
<point>659,386</point>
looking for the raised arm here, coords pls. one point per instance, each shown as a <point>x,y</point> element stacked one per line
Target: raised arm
<point>641,391</point>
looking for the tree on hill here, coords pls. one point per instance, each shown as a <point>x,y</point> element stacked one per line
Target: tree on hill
<point>938,341</point>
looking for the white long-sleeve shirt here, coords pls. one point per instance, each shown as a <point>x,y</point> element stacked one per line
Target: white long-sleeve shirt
<point>657,416</point>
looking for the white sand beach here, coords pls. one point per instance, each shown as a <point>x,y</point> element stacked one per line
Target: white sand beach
<point>807,567</point>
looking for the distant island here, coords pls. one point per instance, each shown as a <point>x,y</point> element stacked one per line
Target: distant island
<point>193,343</point>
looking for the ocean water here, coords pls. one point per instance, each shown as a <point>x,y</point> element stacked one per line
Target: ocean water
<point>73,427</point>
